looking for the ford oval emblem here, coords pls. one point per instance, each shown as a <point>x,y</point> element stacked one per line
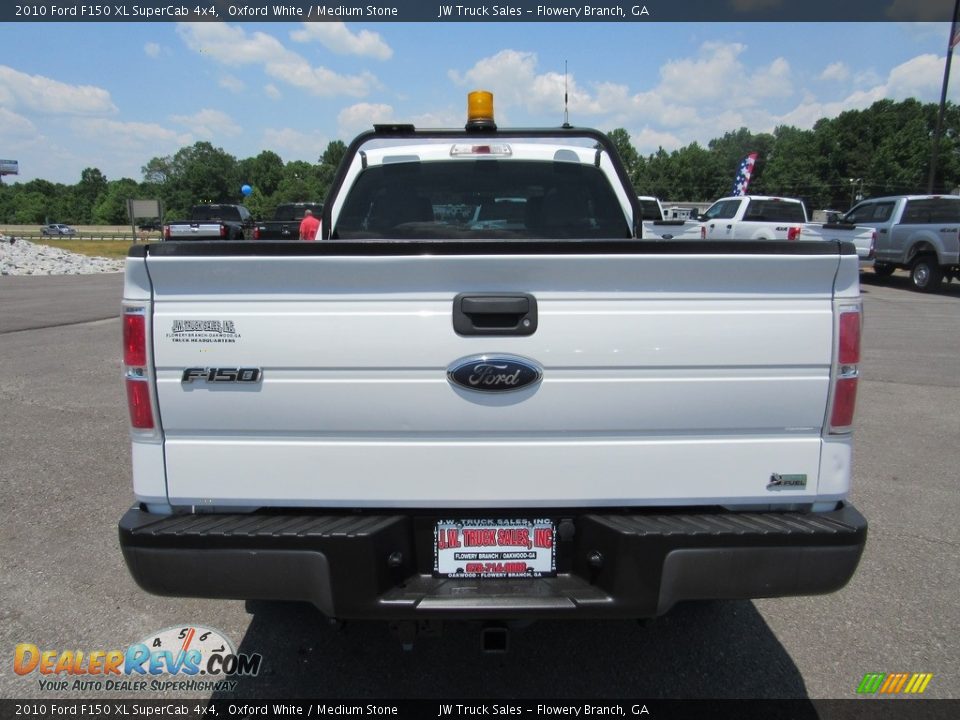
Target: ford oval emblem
<point>494,373</point>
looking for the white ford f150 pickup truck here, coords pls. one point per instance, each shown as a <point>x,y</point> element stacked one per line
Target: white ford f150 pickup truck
<point>423,417</point>
<point>757,217</point>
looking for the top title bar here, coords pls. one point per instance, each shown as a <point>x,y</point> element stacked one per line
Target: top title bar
<point>483,11</point>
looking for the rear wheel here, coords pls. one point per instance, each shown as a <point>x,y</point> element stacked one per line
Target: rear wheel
<point>925,273</point>
<point>883,269</point>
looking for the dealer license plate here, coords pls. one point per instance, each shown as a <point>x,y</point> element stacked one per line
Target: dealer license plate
<point>504,548</point>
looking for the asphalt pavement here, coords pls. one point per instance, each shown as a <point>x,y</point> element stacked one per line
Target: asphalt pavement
<point>64,482</point>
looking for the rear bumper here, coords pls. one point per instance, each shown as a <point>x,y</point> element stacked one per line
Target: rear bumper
<point>379,566</point>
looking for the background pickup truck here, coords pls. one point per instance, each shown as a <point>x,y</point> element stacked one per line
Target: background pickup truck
<point>285,224</point>
<point>919,233</point>
<point>423,417</point>
<point>655,225</point>
<point>755,217</point>
<point>212,222</point>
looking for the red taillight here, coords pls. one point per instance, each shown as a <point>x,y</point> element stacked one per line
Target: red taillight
<point>138,401</point>
<point>256,233</point>
<point>847,371</point>
<point>793,233</point>
<point>166,232</point>
<point>223,230</point>
<point>873,245</point>
<point>703,232</point>
<point>136,368</point>
<point>849,347</point>
<point>844,403</point>
<point>134,340</point>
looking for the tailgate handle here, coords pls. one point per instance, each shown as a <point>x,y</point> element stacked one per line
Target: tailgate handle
<point>494,314</point>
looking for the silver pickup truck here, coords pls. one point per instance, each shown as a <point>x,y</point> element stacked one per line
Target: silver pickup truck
<point>427,416</point>
<point>918,233</point>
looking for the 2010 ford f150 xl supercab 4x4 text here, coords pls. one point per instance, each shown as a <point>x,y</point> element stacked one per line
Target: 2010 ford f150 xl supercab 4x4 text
<point>426,416</point>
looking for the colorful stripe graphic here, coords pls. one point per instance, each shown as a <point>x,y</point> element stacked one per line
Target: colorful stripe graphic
<point>894,683</point>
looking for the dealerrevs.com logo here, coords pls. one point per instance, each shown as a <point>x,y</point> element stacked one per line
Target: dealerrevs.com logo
<point>186,658</point>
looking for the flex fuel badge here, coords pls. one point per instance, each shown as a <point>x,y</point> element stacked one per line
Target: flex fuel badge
<point>787,482</point>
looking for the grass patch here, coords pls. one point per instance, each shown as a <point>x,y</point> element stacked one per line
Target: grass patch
<point>92,248</point>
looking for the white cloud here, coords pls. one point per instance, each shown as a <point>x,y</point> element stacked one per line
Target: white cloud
<point>509,75</point>
<point>919,77</point>
<point>648,140</point>
<point>152,49</point>
<point>837,71</point>
<point>512,77</point>
<point>130,134</point>
<point>362,116</point>
<point>15,127</point>
<point>336,37</point>
<point>232,83</point>
<point>45,95</point>
<point>272,91</point>
<point>233,46</point>
<point>208,123</point>
<point>295,145</point>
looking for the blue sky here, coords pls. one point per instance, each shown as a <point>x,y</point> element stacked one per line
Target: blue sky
<point>114,95</point>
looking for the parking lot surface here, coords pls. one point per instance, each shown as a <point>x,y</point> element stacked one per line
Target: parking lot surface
<point>64,482</point>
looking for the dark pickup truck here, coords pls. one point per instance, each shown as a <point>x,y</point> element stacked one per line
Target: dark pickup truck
<point>212,222</point>
<point>285,224</point>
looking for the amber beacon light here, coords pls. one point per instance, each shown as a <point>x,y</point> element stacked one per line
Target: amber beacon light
<point>480,111</point>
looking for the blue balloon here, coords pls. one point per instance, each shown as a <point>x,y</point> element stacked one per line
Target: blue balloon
<point>246,190</point>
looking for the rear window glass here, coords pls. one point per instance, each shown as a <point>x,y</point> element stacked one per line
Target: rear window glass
<point>877,212</point>
<point>650,209</point>
<point>207,213</point>
<point>924,212</point>
<point>481,198</point>
<point>774,211</point>
<point>295,212</point>
<point>722,210</point>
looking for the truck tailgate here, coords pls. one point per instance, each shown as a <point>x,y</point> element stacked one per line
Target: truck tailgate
<point>667,376</point>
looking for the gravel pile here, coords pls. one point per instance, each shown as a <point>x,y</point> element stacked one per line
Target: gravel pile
<point>22,257</point>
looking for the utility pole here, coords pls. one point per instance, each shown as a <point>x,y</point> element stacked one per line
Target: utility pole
<point>935,153</point>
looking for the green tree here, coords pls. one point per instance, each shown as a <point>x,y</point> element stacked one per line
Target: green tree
<point>628,153</point>
<point>263,172</point>
<point>111,208</point>
<point>334,153</point>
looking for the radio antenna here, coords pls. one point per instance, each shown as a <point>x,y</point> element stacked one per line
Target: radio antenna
<point>566,99</point>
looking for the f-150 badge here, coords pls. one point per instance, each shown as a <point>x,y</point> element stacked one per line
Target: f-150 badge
<point>221,375</point>
<point>494,373</point>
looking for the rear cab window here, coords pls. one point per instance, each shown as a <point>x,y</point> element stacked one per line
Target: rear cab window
<point>775,211</point>
<point>927,211</point>
<point>469,188</point>
<point>650,209</point>
<point>870,213</point>
<point>722,210</point>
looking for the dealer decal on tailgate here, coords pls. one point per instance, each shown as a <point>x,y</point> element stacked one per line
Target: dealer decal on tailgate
<point>494,548</point>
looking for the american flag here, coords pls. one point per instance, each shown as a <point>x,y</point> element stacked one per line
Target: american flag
<point>742,179</point>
